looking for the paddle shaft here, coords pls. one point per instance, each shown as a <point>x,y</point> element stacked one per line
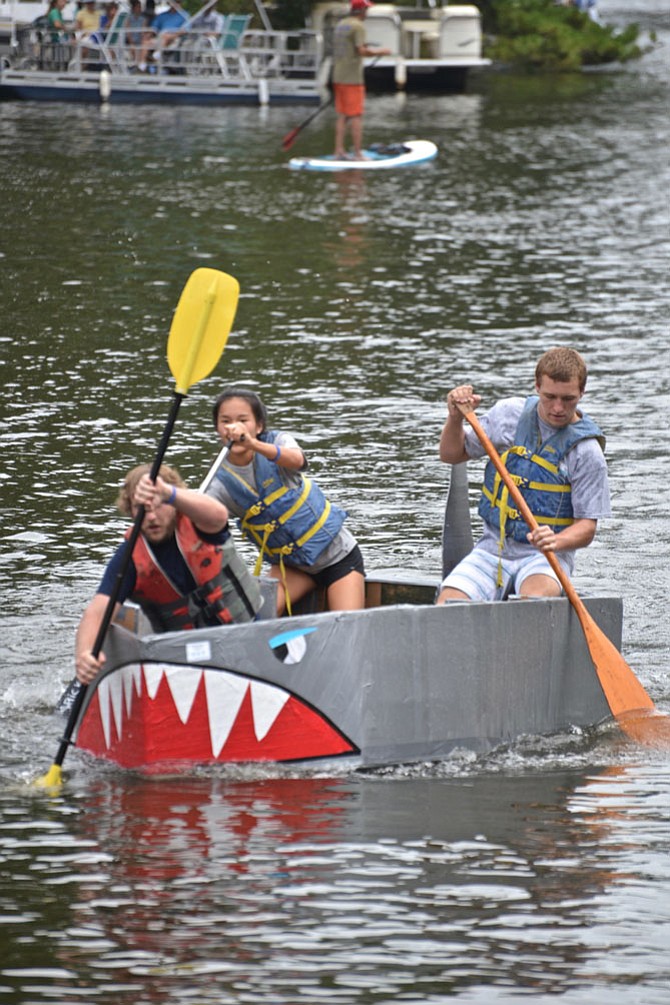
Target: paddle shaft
<point>292,136</point>
<point>211,474</point>
<point>116,589</point>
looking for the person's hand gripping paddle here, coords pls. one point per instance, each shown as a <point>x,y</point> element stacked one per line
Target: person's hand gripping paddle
<point>198,335</point>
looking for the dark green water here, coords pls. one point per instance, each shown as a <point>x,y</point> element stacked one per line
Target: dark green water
<point>541,870</point>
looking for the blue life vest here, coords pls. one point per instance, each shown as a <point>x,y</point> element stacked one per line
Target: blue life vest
<point>535,468</point>
<point>286,524</point>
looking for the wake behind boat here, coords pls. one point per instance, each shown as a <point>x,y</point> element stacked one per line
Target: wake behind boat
<point>378,156</point>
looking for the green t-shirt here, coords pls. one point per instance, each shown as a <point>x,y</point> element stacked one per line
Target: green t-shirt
<point>55,19</point>
<point>347,63</point>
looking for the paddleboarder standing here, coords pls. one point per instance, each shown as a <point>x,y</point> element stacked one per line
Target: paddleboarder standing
<point>349,51</point>
<point>554,452</point>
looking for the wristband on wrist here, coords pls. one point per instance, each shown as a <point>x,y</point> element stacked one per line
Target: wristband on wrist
<point>173,495</point>
<point>278,454</point>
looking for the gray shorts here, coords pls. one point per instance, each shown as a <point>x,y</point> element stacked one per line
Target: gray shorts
<point>477,574</point>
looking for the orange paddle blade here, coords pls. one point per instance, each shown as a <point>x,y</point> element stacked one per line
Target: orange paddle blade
<point>652,728</point>
<point>289,139</point>
<point>622,689</point>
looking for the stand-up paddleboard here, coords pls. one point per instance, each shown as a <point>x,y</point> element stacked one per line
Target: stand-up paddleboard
<point>378,156</point>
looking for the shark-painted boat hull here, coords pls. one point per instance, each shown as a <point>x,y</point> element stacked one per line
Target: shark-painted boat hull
<point>402,681</point>
<point>388,685</point>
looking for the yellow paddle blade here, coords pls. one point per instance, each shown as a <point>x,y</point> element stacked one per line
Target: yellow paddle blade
<point>201,325</point>
<point>52,780</point>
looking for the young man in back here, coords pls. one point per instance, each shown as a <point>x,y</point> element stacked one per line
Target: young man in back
<point>555,453</point>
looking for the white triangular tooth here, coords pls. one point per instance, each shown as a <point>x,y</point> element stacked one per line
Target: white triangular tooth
<point>104,703</point>
<point>225,694</point>
<point>116,699</point>
<point>267,702</point>
<point>153,673</point>
<point>183,683</point>
<point>131,681</point>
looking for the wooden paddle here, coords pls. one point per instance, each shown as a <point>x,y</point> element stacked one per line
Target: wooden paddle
<point>628,701</point>
<point>198,335</point>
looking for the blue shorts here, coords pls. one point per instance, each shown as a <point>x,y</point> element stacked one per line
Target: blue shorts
<point>477,574</point>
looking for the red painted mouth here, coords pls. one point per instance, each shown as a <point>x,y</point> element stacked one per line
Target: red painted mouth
<point>140,716</point>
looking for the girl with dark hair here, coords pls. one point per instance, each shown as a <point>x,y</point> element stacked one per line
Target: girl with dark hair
<point>281,510</point>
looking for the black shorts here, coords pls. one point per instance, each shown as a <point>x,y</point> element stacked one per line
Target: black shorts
<point>353,562</point>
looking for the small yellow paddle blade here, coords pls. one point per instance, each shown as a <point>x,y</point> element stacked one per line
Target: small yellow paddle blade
<point>201,325</point>
<point>52,780</point>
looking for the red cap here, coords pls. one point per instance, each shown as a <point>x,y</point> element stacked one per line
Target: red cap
<point>359,5</point>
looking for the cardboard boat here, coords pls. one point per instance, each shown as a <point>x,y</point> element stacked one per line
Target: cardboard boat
<point>402,681</point>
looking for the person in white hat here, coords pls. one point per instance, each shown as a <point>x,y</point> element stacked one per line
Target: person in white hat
<point>349,51</point>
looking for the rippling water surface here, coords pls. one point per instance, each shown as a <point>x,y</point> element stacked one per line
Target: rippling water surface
<point>537,872</point>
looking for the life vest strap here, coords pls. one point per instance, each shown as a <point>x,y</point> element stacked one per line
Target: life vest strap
<point>307,485</point>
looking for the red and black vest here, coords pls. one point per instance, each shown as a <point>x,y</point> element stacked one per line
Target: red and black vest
<point>225,591</point>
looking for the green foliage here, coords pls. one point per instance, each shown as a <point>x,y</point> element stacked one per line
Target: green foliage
<point>289,14</point>
<point>540,34</point>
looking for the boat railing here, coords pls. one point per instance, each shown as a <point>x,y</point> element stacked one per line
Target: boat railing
<point>254,55</point>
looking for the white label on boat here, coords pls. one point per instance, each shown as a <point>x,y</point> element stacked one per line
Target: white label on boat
<point>198,651</point>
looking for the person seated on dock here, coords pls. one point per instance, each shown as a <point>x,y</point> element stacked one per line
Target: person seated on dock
<point>108,18</point>
<point>88,18</point>
<point>57,52</point>
<point>281,511</point>
<point>134,30</point>
<point>165,29</point>
<point>184,570</point>
<point>555,453</point>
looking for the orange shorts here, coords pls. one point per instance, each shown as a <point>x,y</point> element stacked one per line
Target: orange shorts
<point>349,99</point>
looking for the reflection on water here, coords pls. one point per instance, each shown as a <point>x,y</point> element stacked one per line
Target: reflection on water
<point>543,220</point>
<point>342,890</point>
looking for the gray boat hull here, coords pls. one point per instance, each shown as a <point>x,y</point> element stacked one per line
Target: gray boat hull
<point>392,684</point>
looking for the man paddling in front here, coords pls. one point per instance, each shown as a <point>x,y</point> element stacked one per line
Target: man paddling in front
<point>349,51</point>
<point>184,571</point>
<point>554,452</point>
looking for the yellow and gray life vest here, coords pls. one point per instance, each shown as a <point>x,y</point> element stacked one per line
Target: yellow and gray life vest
<point>536,468</point>
<point>291,524</point>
